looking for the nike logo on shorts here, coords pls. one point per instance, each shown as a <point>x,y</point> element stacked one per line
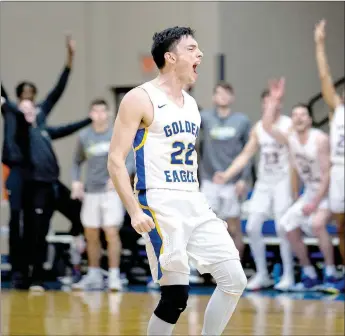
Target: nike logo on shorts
<point>160,106</point>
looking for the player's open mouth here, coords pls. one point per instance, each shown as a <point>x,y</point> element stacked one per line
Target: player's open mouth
<point>194,67</point>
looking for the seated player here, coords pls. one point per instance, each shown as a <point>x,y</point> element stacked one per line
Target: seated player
<point>310,156</point>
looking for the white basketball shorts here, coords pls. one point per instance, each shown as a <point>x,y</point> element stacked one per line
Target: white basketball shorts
<point>272,199</point>
<point>336,190</point>
<point>186,230</point>
<point>222,199</point>
<point>103,209</point>
<point>294,216</point>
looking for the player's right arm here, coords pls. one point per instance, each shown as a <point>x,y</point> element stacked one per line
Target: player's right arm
<point>327,88</point>
<point>277,90</point>
<point>135,112</point>
<point>241,160</point>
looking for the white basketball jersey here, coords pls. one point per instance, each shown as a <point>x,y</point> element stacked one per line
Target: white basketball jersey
<point>274,157</point>
<point>305,158</point>
<point>337,136</point>
<point>165,153</point>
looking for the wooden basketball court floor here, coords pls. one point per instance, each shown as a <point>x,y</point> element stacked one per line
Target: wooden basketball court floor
<point>127,313</point>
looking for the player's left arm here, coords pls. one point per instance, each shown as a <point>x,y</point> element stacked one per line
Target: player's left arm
<point>325,165</point>
<point>3,93</point>
<point>329,93</point>
<point>55,94</point>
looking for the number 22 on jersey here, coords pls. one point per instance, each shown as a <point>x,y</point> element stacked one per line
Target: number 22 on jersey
<point>182,154</point>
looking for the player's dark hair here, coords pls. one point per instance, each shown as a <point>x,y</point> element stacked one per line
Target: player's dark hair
<point>224,85</point>
<point>20,88</point>
<point>99,101</point>
<point>305,106</point>
<point>165,41</point>
<point>264,94</point>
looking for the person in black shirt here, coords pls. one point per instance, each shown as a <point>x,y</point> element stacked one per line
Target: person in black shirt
<point>13,158</point>
<point>41,192</point>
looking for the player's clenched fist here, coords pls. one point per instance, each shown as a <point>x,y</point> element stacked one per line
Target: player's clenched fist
<point>142,223</point>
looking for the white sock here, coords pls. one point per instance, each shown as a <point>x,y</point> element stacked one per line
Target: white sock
<point>159,327</point>
<point>310,272</point>
<point>94,271</point>
<point>285,254</point>
<point>256,242</point>
<point>218,312</point>
<point>330,270</point>
<point>114,272</point>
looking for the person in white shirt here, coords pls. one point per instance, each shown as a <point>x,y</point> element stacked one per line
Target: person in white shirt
<point>310,157</point>
<point>336,118</point>
<point>272,193</point>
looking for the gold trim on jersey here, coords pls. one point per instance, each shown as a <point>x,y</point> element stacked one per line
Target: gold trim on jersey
<point>142,143</point>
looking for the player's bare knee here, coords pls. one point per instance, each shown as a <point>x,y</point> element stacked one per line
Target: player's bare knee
<point>172,303</point>
<point>111,234</point>
<point>292,235</point>
<point>319,228</point>
<point>92,235</point>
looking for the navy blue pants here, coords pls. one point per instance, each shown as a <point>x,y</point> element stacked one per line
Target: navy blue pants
<point>19,197</point>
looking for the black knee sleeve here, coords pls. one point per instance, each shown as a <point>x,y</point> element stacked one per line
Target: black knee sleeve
<point>172,303</point>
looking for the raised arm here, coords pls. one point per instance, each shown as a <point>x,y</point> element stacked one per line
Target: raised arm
<point>277,89</point>
<point>3,93</point>
<point>11,152</point>
<point>55,94</point>
<point>241,160</point>
<point>134,111</point>
<point>327,88</point>
<point>16,140</point>
<point>66,130</point>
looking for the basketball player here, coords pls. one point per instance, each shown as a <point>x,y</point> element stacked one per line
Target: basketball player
<point>272,191</point>
<point>102,207</point>
<point>309,150</point>
<point>336,104</point>
<point>162,123</point>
